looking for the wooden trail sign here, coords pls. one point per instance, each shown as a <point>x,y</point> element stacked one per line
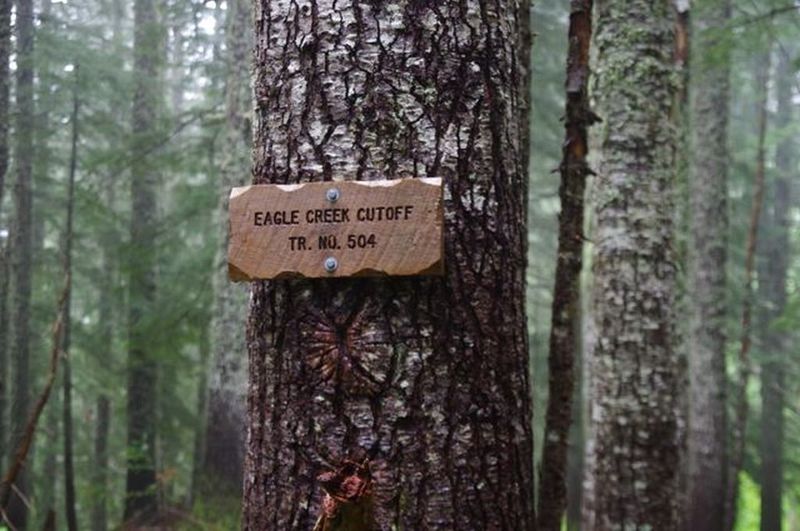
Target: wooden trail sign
<point>336,229</point>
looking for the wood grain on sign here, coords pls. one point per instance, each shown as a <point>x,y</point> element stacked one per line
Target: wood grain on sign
<point>372,228</point>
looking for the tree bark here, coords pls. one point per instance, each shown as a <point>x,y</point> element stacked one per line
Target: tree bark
<point>5,83</point>
<point>22,248</point>
<point>69,467</point>
<point>566,293</point>
<point>741,411</point>
<point>633,469</point>
<point>773,290</point>
<point>423,381</point>
<point>140,502</point>
<point>227,379</point>
<point>707,437</point>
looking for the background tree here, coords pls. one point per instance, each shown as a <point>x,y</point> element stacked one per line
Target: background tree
<point>438,404</point>
<point>772,286</point>
<point>566,294</point>
<point>707,250</point>
<point>227,378</point>
<point>22,249</point>
<point>632,476</point>
<point>142,369</point>
<point>5,83</point>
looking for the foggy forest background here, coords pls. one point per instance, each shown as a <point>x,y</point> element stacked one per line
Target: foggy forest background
<point>83,64</point>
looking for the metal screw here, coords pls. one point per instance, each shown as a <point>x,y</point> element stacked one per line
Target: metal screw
<point>331,264</point>
<point>332,195</point>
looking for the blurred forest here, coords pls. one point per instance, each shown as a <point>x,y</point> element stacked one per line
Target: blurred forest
<point>121,132</point>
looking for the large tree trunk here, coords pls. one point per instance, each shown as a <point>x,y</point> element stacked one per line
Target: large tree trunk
<point>772,285</point>
<point>140,502</point>
<point>22,247</point>
<point>425,380</point>
<point>633,468</point>
<point>227,379</point>
<point>565,328</point>
<point>707,437</point>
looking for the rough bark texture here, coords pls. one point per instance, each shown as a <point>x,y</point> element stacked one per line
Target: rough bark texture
<point>773,291</point>
<point>566,293</point>
<point>227,379</point>
<point>427,379</point>
<point>741,406</point>
<point>140,502</point>
<point>707,437</point>
<point>22,246</point>
<point>633,467</point>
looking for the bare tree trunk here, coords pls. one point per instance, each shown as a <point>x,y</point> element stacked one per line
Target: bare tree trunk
<point>566,293</point>
<point>707,438</point>
<point>741,411</point>
<point>100,478</point>
<point>22,249</point>
<point>140,502</point>
<point>772,285</point>
<point>427,406</point>
<point>108,323</point>
<point>5,83</point>
<point>69,467</point>
<point>227,379</point>
<point>633,470</point>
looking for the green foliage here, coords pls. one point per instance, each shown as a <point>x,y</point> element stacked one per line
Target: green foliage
<point>749,504</point>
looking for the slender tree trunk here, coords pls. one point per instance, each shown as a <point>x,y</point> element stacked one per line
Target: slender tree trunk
<point>707,438</point>
<point>140,502</point>
<point>633,473</point>
<point>5,82</point>
<point>227,379</point>
<point>681,114</point>
<point>107,325</point>
<point>415,390</point>
<point>100,479</point>
<point>69,468</point>
<point>772,284</point>
<point>741,411</point>
<point>22,248</point>
<point>566,293</point>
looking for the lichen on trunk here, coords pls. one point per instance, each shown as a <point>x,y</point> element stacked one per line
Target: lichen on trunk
<point>427,379</point>
<point>633,451</point>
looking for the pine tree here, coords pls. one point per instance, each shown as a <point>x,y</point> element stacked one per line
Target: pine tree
<point>140,502</point>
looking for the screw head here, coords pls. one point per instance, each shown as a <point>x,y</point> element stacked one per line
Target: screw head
<point>332,195</point>
<point>331,264</point>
